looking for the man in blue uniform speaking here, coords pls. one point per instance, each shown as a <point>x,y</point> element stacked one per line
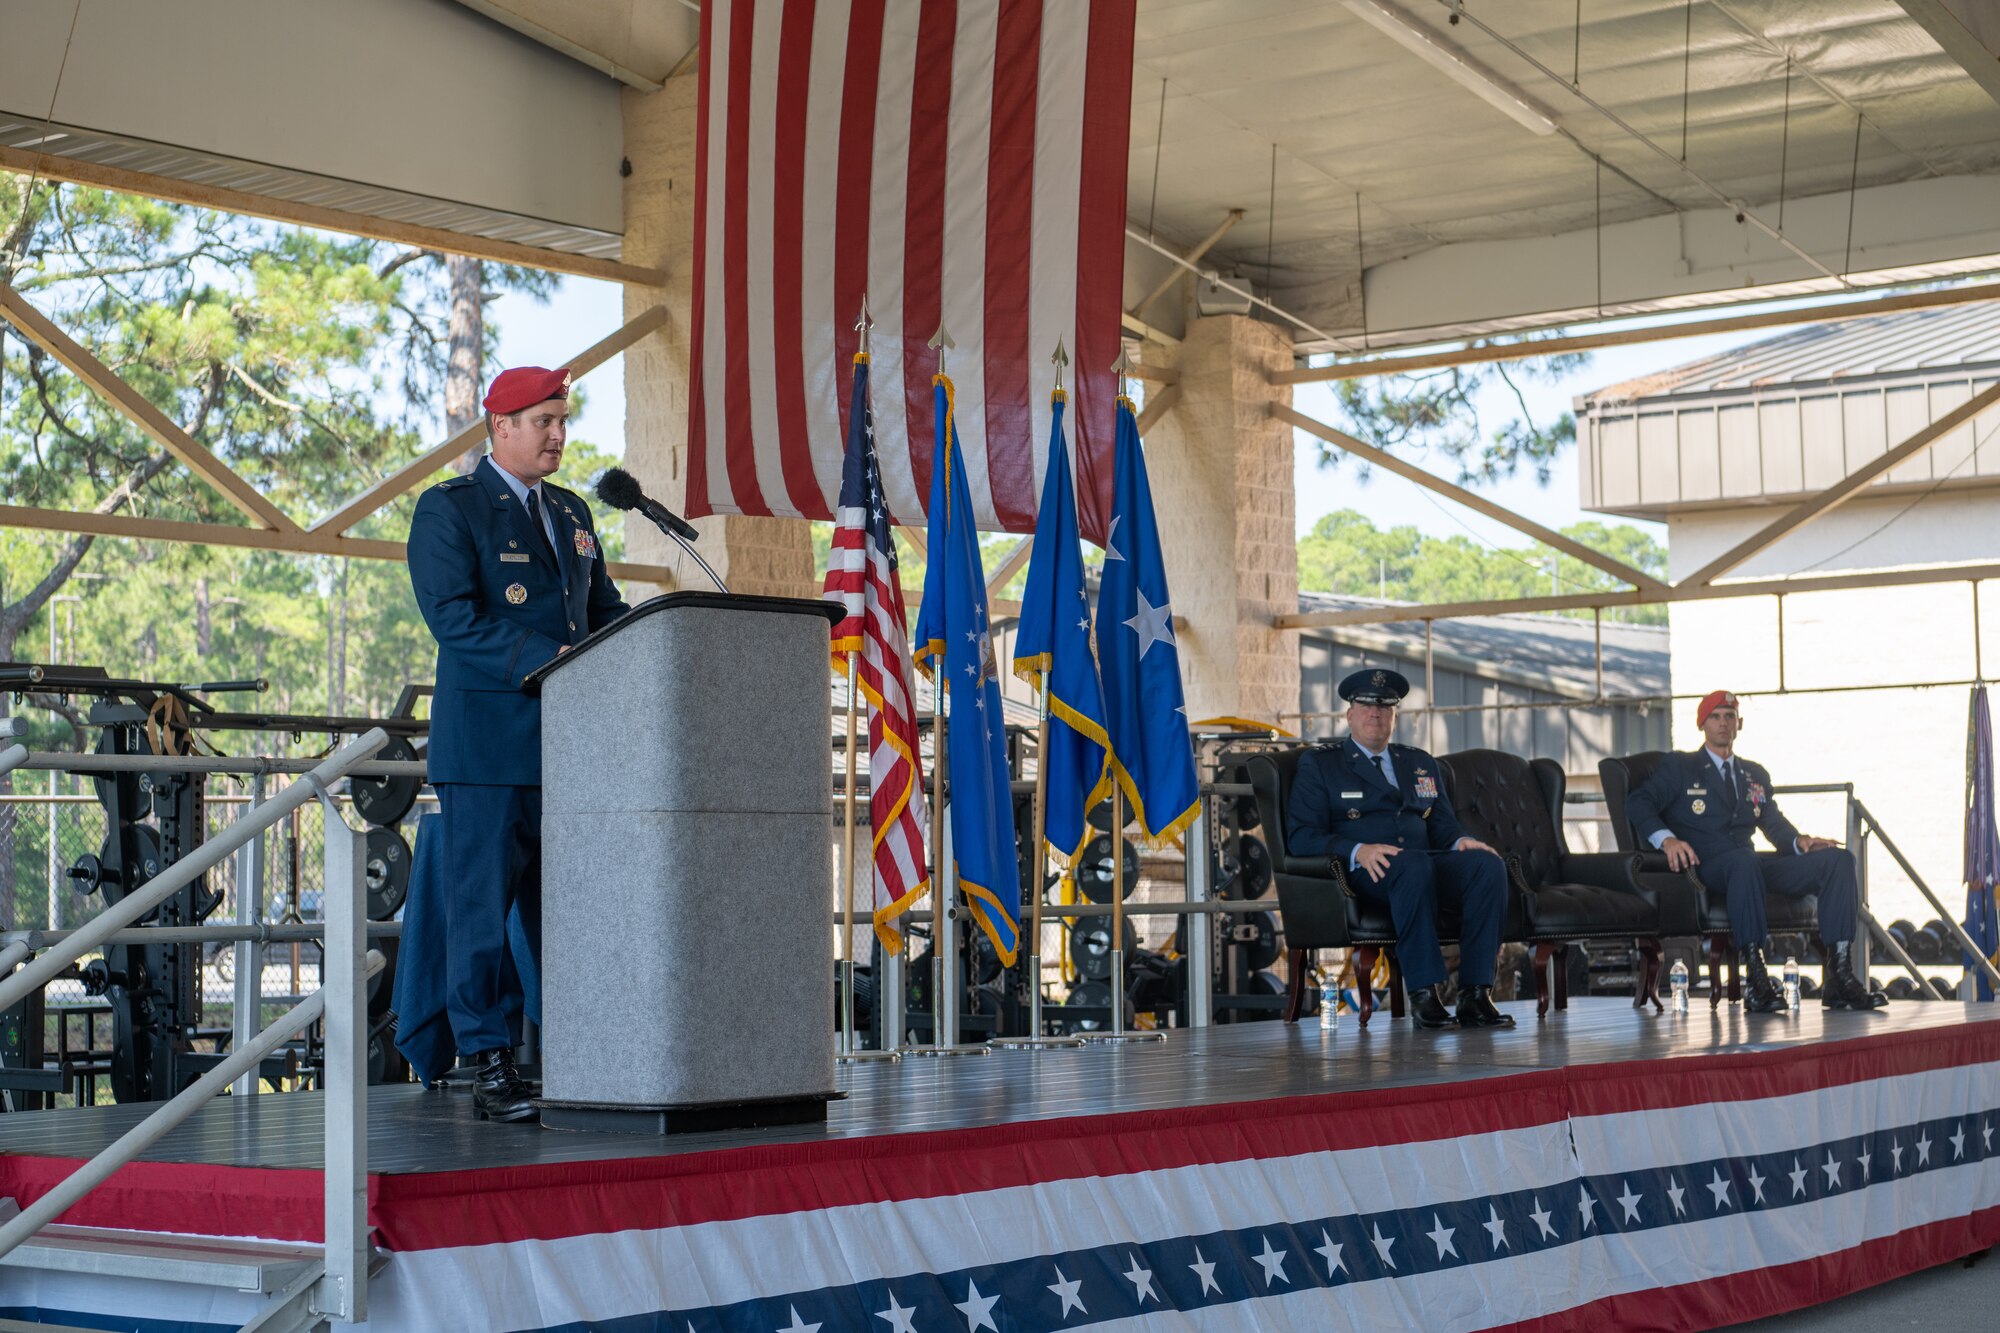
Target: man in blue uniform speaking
<point>1701,808</point>
<point>1379,809</point>
<point>508,575</point>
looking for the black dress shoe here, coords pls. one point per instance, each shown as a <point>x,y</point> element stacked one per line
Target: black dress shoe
<point>1840,988</point>
<point>498,1092</point>
<point>1760,994</point>
<point>1475,1009</point>
<point>1426,1010</point>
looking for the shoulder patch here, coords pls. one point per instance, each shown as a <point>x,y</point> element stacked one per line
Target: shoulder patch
<point>455,481</point>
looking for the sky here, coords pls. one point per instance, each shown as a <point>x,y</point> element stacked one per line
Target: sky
<point>584,310</point>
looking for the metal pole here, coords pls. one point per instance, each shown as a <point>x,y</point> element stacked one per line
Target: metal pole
<point>249,958</point>
<point>184,872</point>
<point>1857,843</point>
<point>343,1293</point>
<point>1118,1033</point>
<point>1430,692</point>
<point>850,1051</point>
<point>1958,932</point>
<point>1034,1038</point>
<point>944,901</point>
<point>1199,929</point>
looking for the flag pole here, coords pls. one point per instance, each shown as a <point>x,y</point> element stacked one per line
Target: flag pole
<point>1118,1033</point>
<point>944,902</point>
<point>850,1051</point>
<point>1035,1038</point>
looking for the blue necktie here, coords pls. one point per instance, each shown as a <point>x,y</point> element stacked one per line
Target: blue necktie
<point>535,522</point>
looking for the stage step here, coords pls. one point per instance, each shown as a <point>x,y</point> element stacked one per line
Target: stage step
<point>238,1265</point>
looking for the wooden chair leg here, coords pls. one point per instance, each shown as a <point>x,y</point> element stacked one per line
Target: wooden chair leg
<point>1562,976</point>
<point>1398,1006</point>
<point>1543,952</point>
<point>1650,961</point>
<point>1364,984</point>
<point>1295,989</point>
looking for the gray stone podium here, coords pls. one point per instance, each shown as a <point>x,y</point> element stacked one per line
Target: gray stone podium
<point>686,863</point>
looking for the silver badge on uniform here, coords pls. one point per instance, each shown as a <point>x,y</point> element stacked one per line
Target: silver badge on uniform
<point>516,593</point>
<point>1700,807</point>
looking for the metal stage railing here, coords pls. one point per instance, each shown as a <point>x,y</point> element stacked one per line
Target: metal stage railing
<point>337,1288</point>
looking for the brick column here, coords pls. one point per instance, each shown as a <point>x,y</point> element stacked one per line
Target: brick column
<point>1222,485</point>
<point>754,555</point>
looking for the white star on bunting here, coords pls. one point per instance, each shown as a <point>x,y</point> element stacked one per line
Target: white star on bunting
<point>1630,1202</point>
<point>1205,1270</point>
<point>1756,1185</point>
<point>1330,1251</point>
<point>898,1316</point>
<point>1720,1189</point>
<point>1864,1159</point>
<point>798,1325</point>
<point>1897,1150</point>
<point>1066,1289</point>
<point>1798,1175</point>
<point>1153,624</point>
<point>1382,1244</point>
<point>1541,1217</point>
<point>977,1309</point>
<point>1585,1206</point>
<point>1986,1134</point>
<point>1674,1192</point>
<point>1958,1144</point>
<point>1141,1280</point>
<point>1495,1228</point>
<point>1923,1150</point>
<point>1440,1235</point>
<point>1273,1263</point>
<point>1832,1169</point>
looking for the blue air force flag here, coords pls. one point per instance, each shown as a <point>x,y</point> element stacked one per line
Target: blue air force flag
<point>1052,652</point>
<point>1150,750</point>
<point>1982,841</point>
<point>953,637</point>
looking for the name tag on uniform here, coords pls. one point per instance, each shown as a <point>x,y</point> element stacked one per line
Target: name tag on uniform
<point>1697,791</point>
<point>516,557</point>
<point>1351,795</point>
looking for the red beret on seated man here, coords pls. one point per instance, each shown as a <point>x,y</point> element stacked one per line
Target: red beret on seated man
<point>508,574</point>
<point>1701,808</point>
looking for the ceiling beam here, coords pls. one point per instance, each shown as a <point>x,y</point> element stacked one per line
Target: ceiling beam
<point>1157,406</point>
<point>134,406</point>
<point>1949,31</point>
<point>1843,490</point>
<point>1009,566</point>
<point>1528,348</point>
<point>51,166</point>
<point>413,472</point>
<point>1478,503</point>
<point>1386,615</point>
<point>1202,247</point>
<point>294,542</point>
<point>1133,324</point>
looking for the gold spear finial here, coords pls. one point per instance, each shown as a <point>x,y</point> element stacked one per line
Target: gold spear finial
<point>1061,359</point>
<point>864,324</point>
<point>942,341</point>
<point>1122,367</point>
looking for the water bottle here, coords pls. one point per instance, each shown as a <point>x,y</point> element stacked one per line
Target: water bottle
<point>1329,1007</point>
<point>1791,984</point>
<point>1679,980</point>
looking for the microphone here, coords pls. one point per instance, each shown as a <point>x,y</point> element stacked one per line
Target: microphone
<point>620,489</point>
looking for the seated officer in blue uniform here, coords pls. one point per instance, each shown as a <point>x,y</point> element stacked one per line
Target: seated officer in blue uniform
<point>1701,808</point>
<point>508,574</point>
<point>1379,810</point>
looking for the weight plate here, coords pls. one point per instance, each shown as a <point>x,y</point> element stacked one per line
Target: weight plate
<point>1093,870</point>
<point>388,873</point>
<point>1254,878</point>
<point>1090,945</point>
<point>1089,995</point>
<point>1100,816</point>
<point>385,800</point>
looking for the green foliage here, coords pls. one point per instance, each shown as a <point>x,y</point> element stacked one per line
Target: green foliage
<point>1346,553</point>
<point>1439,410</point>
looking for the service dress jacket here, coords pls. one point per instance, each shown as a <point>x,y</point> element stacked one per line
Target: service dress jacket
<point>1340,800</point>
<point>1687,797</point>
<point>500,605</point>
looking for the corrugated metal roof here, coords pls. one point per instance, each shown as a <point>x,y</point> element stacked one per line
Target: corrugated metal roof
<point>1947,342</point>
<point>1553,653</point>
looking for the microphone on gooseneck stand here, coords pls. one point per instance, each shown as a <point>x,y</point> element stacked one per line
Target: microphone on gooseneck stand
<point>620,489</point>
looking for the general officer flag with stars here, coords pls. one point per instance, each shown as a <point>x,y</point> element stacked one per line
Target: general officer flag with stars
<point>1052,653</point>
<point>953,637</point>
<point>1982,840</point>
<point>1150,750</point>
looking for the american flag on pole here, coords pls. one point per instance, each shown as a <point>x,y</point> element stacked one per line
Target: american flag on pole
<point>861,575</point>
<point>961,162</point>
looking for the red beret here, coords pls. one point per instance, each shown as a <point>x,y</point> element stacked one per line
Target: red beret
<point>1711,701</point>
<point>524,386</point>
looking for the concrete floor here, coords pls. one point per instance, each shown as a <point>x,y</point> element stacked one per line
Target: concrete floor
<point>1950,1298</point>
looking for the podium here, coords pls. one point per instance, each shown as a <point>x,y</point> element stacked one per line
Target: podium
<point>687,864</point>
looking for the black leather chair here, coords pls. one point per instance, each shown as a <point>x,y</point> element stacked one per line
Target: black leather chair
<point>1620,775</point>
<point>1318,907</point>
<point>1515,806</point>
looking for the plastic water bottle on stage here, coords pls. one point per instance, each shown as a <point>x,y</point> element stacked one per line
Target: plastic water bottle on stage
<point>1791,984</point>
<point>1329,1007</point>
<point>1679,978</point>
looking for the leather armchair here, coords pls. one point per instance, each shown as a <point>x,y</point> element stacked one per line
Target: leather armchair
<point>1515,805</point>
<point>1620,775</point>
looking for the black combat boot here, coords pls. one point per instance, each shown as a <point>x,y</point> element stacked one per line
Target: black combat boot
<point>497,1090</point>
<point>1427,1010</point>
<point>1839,987</point>
<point>1760,994</point>
<point>1475,1009</point>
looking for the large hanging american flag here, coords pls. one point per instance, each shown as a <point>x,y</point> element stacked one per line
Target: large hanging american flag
<point>861,575</point>
<point>960,163</point>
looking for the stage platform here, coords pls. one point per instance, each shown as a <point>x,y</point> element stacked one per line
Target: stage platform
<point>1602,1168</point>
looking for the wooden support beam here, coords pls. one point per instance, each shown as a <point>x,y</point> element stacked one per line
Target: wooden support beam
<point>1479,503</point>
<point>39,329</point>
<point>1009,567</point>
<point>293,542</point>
<point>1583,342</point>
<point>1843,490</point>
<point>1387,615</point>
<point>1157,406</point>
<point>51,166</point>
<point>1144,330</point>
<point>433,460</point>
<point>1202,247</point>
